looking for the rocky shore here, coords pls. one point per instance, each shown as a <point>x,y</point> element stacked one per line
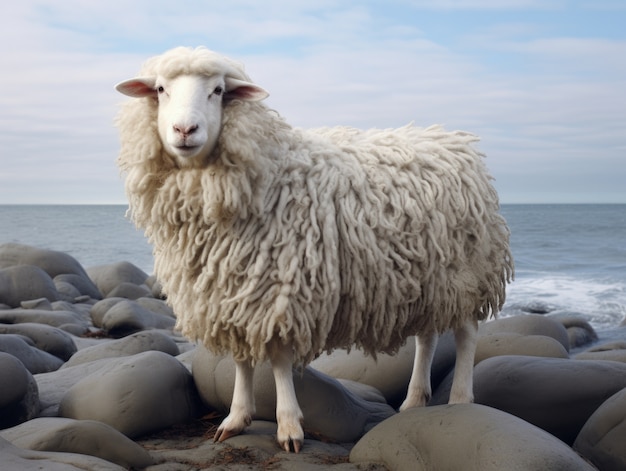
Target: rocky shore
<point>93,377</point>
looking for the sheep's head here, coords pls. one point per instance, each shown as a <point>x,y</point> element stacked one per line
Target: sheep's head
<point>190,91</point>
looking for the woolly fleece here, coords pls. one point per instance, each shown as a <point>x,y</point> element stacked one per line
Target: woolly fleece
<point>324,238</point>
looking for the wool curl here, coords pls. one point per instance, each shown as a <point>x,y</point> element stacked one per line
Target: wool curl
<point>321,239</point>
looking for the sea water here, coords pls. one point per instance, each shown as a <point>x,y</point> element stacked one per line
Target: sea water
<point>570,259</point>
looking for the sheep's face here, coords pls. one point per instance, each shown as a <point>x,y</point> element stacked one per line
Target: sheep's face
<point>190,110</point>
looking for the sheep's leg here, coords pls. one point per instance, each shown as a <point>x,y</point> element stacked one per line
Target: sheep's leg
<point>420,391</point>
<point>466,337</point>
<point>288,414</point>
<point>242,406</point>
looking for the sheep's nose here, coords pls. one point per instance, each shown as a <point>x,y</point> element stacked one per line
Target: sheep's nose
<point>185,130</point>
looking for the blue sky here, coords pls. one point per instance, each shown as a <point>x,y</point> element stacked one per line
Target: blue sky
<point>542,82</point>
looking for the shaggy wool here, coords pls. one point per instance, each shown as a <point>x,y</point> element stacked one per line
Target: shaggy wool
<point>322,239</point>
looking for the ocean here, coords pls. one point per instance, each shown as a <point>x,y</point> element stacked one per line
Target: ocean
<point>570,259</point>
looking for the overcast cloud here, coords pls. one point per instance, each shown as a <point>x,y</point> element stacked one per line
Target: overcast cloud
<point>542,82</point>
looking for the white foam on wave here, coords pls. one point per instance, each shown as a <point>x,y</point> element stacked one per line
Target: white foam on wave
<point>601,302</point>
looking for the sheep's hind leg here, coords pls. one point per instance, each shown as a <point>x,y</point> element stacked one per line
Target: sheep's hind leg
<point>466,337</point>
<point>420,391</point>
<point>242,406</point>
<point>288,414</point>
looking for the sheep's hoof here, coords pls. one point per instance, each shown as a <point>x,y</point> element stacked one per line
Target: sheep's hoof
<point>290,436</point>
<point>288,444</point>
<point>224,434</point>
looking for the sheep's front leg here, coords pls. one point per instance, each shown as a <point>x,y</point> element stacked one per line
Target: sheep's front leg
<point>420,392</point>
<point>466,337</point>
<point>242,406</point>
<point>288,414</point>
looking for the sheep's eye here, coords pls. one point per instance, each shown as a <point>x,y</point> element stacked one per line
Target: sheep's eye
<point>218,90</point>
<point>160,89</point>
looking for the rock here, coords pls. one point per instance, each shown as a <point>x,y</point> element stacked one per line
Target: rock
<point>52,262</point>
<point>19,398</point>
<point>601,439</point>
<point>329,409</point>
<point>555,394</point>
<point>390,374</point>
<point>35,360</point>
<point>126,317</point>
<point>107,277</point>
<point>81,283</point>
<point>528,324</point>
<point>58,319</point>
<point>130,291</point>
<point>25,282</point>
<point>40,303</point>
<point>579,331</point>
<point>47,338</point>
<point>615,351</point>
<point>470,437</point>
<point>54,385</point>
<point>135,395</point>
<point>86,437</point>
<point>17,459</point>
<point>504,343</point>
<point>127,346</point>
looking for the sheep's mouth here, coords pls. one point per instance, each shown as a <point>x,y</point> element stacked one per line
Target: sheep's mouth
<point>185,149</point>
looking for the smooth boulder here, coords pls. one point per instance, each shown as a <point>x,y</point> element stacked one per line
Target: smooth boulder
<point>467,437</point>
<point>25,282</point>
<point>329,409</point>
<point>557,395</point>
<point>87,437</point>
<point>19,395</point>
<point>35,360</point>
<point>126,346</point>
<point>50,339</point>
<point>602,440</point>
<point>136,395</point>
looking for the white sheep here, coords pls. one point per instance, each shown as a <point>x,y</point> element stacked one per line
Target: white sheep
<point>278,243</point>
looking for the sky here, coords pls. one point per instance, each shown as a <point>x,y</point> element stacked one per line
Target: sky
<point>542,82</point>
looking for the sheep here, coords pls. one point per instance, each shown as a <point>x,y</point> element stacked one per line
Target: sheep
<point>276,243</point>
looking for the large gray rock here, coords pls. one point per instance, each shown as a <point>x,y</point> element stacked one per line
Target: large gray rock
<point>60,319</point>
<point>557,395</point>
<point>136,395</point>
<point>505,343</point>
<point>47,338</point>
<point>127,317</point>
<point>18,459</point>
<point>35,360</point>
<point>54,385</point>
<point>615,351</point>
<point>86,437</point>
<point>19,396</point>
<point>51,261</point>
<point>390,374</point>
<point>108,277</point>
<point>25,282</point>
<point>528,324</point>
<point>329,409</point>
<point>602,440</point>
<point>467,437</point>
<point>81,283</point>
<point>127,346</point>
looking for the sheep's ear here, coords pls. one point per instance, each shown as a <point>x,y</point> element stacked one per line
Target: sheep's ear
<point>243,90</point>
<point>137,87</point>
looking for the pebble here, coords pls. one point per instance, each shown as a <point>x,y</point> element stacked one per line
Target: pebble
<point>134,394</point>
